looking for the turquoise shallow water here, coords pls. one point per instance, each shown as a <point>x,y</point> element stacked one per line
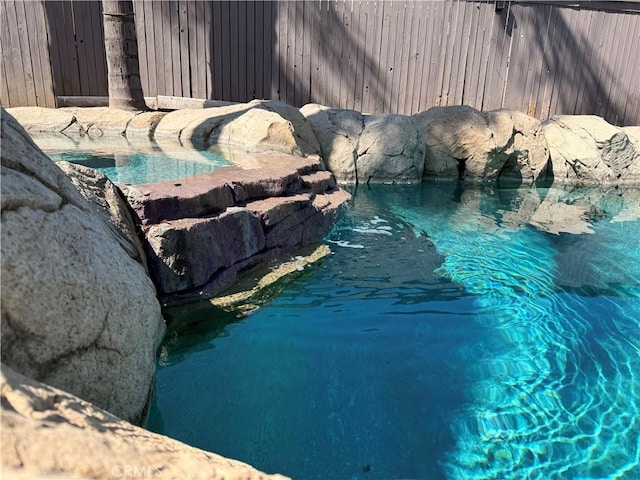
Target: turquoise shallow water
<point>153,164</point>
<point>453,333</point>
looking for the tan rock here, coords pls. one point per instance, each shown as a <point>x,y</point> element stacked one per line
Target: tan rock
<point>390,150</point>
<point>49,433</point>
<point>585,149</point>
<point>77,311</point>
<point>110,203</point>
<point>501,146</point>
<point>259,126</point>
<point>305,137</point>
<point>360,148</point>
<point>40,119</point>
<point>338,132</point>
<point>99,122</point>
<point>143,125</point>
<point>192,126</point>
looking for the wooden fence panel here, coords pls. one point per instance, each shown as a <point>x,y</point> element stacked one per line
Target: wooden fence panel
<point>400,56</point>
<point>26,78</point>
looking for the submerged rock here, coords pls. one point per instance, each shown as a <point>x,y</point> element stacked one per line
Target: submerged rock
<point>587,150</point>
<point>47,432</point>
<point>359,148</point>
<point>501,146</point>
<point>78,312</point>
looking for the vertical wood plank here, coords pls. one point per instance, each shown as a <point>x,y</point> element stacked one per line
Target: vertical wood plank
<point>158,46</point>
<point>242,31</point>
<point>366,18</point>
<point>467,58</point>
<point>421,50</point>
<point>86,61</point>
<point>589,83</point>
<point>453,53</point>
<point>5,95</point>
<point>8,53</point>
<point>268,46</point>
<point>283,51</point>
<point>515,61</point>
<point>208,39</point>
<point>442,63</point>
<point>176,64</point>
<point>309,52</point>
<point>85,46</point>
<point>141,34</point>
<point>554,33</point>
<point>348,55</point>
<point>216,49</point>
<point>152,85</point>
<point>359,39</point>
<point>631,115</point>
<point>225,13</point>
<point>183,48</point>
<point>256,49</point>
<point>22,63</point>
<point>535,71</point>
<point>408,60</point>
<point>168,66</point>
<point>482,67</point>
<point>38,44</point>
<point>319,43</point>
<point>617,94</point>
<point>330,14</point>
<point>295,69</point>
<point>433,25</point>
<point>277,46</point>
<point>581,71</point>
<point>97,38</point>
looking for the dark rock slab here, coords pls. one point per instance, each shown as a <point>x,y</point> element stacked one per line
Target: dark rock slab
<point>205,230</point>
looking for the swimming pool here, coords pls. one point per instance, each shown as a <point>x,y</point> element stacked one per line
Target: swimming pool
<point>455,332</point>
<point>145,162</point>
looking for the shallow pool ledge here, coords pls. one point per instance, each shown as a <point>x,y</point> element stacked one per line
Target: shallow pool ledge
<point>203,231</point>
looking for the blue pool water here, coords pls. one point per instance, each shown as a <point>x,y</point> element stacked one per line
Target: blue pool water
<point>458,333</point>
<point>133,166</point>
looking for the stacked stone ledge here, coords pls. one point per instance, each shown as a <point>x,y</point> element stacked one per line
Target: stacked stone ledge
<point>203,231</point>
<point>504,147</point>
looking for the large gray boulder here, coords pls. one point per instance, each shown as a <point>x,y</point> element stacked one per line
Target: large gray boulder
<point>109,202</point>
<point>78,312</point>
<point>258,126</point>
<point>49,433</point>
<point>586,149</point>
<point>499,146</point>
<point>359,148</point>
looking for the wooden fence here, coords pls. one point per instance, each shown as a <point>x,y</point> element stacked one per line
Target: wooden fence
<point>375,56</point>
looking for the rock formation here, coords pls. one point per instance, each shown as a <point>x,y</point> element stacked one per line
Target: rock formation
<point>109,203</point>
<point>359,148</point>
<point>49,433</point>
<point>78,311</point>
<point>95,122</point>
<point>501,146</point>
<point>204,230</point>
<point>587,150</point>
<point>258,126</point>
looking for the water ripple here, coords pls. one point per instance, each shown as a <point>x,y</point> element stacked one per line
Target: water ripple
<point>557,397</point>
